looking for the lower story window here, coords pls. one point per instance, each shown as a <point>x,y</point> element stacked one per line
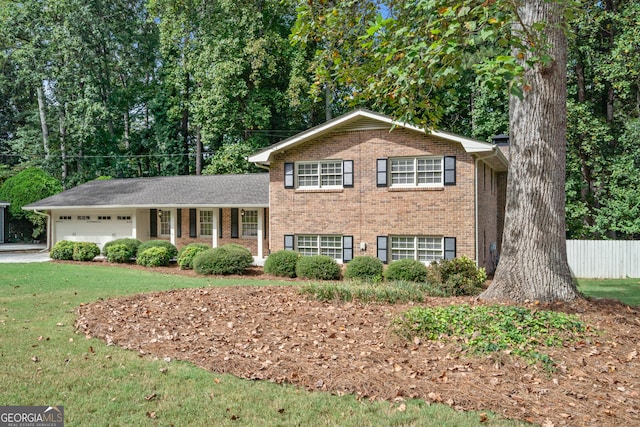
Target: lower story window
<point>320,245</point>
<point>249,223</point>
<point>206,223</point>
<point>424,249</point>
<point>165,222</point>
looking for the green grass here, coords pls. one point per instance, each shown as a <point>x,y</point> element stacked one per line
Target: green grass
<point>625,290</point>
<point>44,362</point>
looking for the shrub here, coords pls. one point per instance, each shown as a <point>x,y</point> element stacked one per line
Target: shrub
<point>406,269</point>
<point>457,276</point>
<point>63,250</point>
<point>282,263</point>
<point>153,257</point>
<point>85,251</point>
<point>131,244</point>
<point>387,293</point>
<point>171,249</point>
<point>119,253</point>
<point>188,253</point>
<point>319,267</point>
<point>365,268</point>
<point>225,259</point>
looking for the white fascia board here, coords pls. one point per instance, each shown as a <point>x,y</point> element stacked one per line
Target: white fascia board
<point>470,145</point>
<point>94,207</point>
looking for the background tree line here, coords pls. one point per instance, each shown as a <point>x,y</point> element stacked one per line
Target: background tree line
<point>128,88</point>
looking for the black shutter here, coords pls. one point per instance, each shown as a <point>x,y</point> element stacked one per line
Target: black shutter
<point>220,222</point>
<point>288,242</point>
<point>265,221</point>
<point>347,173</point>
<point>153,222</point>
<point>234,223</point>
<point>193,223</point>
<point>381,172</point>
<point>347,248</point>
<point>179,221</point>
<point>382,244</point>
<point>289,182</point>
<point>449,170</point>
<point>449,247</point>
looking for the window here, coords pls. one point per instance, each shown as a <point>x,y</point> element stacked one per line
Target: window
<point>319,174</point>
<point>165,222</point>
<point>424,249</point>
<point>124,217</point>
<point>84,218</point>
<point>416,172</point>
<point>104,217</point>
<point>64,217</point>
<point>206,223</point>
<point>249,223</point>
<point>331,246</point>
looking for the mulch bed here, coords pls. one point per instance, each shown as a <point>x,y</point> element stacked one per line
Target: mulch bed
<point>278,335</point>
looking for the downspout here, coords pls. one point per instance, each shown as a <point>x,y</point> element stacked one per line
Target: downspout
<point>49,231</point>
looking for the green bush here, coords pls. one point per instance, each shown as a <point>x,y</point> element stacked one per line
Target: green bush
<point>85,251</point>
<point>155,256</point>
<point>457,276</point>
<point>386,293</point>
<point>406,269</point>
<point>225,259</point>
<point>171,249</point>
<point>63,250</point>
<point>188,253</point>
<point>120,253</point>
<point>131,244</point>
<point>282,263</point>
<point>318,267</point>
<point>365,268</point>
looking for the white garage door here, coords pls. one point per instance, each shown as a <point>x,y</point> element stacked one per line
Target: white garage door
<point>98,228</point>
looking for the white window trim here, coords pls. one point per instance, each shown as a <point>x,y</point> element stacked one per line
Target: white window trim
<point>415,183</point>
<point>415,249</point>
<point>200,223</point>
<point>318,246</point>
<point>160,222</point>
<point>319,174</point>
<point>242,224</point>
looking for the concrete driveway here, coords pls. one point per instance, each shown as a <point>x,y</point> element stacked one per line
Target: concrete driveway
<point>15,252</point>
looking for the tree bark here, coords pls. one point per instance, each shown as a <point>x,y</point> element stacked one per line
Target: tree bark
<point>533,264</point>
<point>43,121</point>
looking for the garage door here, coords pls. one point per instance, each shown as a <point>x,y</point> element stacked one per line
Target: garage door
<point>97,228</point>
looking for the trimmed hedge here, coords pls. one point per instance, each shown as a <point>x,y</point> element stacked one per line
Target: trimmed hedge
<point>170,247</point>
<point>318,267</point>
<point>85,251</point>
<point>153,257</point>
<point>282,263</point>
<point>131,244</point>
<point>62,250</point>
<point>226,259</point>
<point>406,269</point>
<point>119,253</point>
<point>365,268</point>
<point>188,253</point>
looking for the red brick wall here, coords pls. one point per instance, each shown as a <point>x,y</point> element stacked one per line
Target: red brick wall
<point>367,211</point>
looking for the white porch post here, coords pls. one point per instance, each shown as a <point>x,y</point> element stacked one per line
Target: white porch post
<point>172,225</point>
<point>260,232</point>
<point>134,227</point>
<point>216,221</point>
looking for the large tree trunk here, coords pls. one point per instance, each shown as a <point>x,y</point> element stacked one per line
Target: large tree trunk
<point>43,121</point>
<point>533,264</point>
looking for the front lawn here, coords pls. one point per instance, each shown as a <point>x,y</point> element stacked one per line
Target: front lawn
<point>46,363</point>
<point>625,290</point>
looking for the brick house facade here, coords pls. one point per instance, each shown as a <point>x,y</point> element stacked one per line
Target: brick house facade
<point>363,184</point>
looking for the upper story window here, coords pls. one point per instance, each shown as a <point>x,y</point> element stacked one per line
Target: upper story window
<point>416,172</point>
<point>323,174</point>
<point>319,174</point>
<point>249,223</point>
<point>206,223</point>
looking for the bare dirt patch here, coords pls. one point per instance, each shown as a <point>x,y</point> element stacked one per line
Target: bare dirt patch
<point>276,334</point>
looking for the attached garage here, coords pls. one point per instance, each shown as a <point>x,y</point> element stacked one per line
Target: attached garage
<point>98,227</point>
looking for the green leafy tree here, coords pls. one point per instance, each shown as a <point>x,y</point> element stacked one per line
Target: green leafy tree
<point>415,54</point>
<point>26,187</point>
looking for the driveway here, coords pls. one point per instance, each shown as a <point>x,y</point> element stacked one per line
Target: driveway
<point>13,253</point>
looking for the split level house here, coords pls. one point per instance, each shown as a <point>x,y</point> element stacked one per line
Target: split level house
<point>360,184</point>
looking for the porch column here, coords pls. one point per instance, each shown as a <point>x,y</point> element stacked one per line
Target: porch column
<point>215,231</point>
<point>173,225</point>
<point>260,232</point>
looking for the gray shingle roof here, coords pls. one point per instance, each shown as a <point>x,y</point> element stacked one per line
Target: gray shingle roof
<point>168,191</point>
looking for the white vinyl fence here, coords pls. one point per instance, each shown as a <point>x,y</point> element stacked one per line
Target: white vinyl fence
<point>605,259</point>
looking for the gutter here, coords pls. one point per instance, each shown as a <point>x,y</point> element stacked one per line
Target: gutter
<point>48,247</point>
